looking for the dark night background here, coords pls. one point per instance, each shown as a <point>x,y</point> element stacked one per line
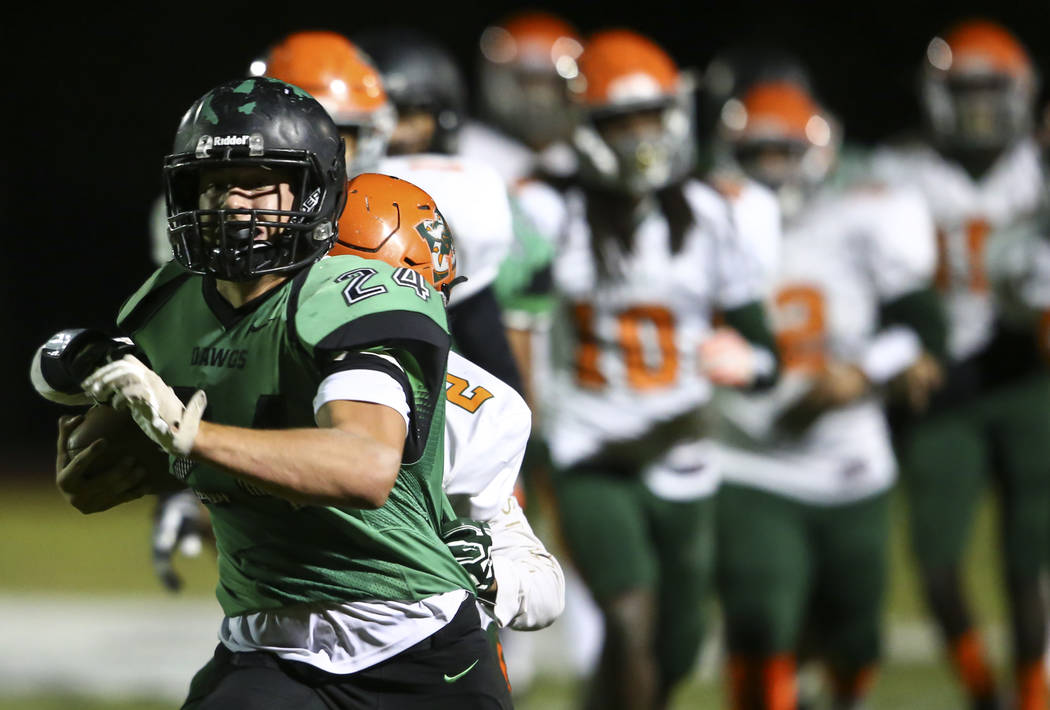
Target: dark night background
<point>92,100</point>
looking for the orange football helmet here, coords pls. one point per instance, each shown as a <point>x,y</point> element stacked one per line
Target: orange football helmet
<point>978,87</point>
<point>779,135</point>
<point>342,79</point>
<point>392,220</point>
<point>525,62</point>
<point>623,73</point>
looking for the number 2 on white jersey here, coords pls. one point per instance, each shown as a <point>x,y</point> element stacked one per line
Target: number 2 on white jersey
<point>457,386</point>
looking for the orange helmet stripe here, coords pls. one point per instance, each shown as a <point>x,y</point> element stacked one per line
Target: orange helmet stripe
<point>980,44</point>
<point>778,109</point>
<point>331,69</point>
<point>621,66</point>
<point>537,39</point>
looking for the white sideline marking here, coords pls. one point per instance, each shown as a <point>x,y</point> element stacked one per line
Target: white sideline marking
<point>107,647</point>
<point>132,648</point>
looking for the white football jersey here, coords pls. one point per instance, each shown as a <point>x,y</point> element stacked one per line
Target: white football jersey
<point>625,345</point>
<point>487,425</point>
<point>512,159</point>
<point>1018,264</point>
<point>756,214</point>
<point>473,199</point>
<point>841,257</point>
<point>966,211</point>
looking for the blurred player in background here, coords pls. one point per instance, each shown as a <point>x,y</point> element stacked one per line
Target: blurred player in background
<point>525,61</point>
<point>978,169</point>
<point>429,93</point>
<point>755,208</point>
<point>524,64</point>
<point>426,87</point>
<point>803,510</point>
<point>473,198</point>
<point>645,256</point>
<point>726,78</point>
<point>1018,263</point>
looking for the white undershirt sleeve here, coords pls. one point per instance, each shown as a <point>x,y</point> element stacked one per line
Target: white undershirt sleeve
<point>363,385</point>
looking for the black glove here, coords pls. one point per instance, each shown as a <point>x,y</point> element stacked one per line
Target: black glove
<point>471,544</point>
<point>179,523</point>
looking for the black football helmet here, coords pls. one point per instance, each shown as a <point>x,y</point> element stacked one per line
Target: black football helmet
<point>732,71</point>
<point>419,75</point>
<point>248,123</point>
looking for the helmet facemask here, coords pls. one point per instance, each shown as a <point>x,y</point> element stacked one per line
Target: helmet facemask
<point>525,66</point>
<point>779,136</point>
<point>657,150</point>
<point>977,88</point>
<point>367,137</point>
<point>784,166</point>
<point>530,104</point>
<point>984,112</point>
<point>236,244</point>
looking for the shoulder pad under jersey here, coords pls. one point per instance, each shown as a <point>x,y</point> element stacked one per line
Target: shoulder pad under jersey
<point>151,295</point>
<point>348,302</point>
<point>352,303</point>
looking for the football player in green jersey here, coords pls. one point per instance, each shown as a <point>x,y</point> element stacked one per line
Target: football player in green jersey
<point>313,428</point>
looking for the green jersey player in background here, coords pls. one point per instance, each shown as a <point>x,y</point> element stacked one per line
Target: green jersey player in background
<point>337,588</point>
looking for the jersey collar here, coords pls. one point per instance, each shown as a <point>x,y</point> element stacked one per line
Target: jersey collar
<point>223,310</point>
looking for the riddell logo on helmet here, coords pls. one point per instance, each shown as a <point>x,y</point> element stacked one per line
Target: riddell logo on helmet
<point>231,140</point>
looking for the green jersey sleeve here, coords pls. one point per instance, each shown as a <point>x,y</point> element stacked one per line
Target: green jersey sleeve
<point>348,304</point>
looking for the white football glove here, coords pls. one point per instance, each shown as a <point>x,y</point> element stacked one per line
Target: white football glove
<point>128,384</point>
<point>727,359</point>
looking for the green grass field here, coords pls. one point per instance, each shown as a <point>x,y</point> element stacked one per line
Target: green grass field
<point>47,547</point>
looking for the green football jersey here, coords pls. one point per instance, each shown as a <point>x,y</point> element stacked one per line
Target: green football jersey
<point>520,285</point>
<point>260,366</point>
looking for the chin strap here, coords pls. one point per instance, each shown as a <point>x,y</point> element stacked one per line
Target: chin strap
<point>446,289</point>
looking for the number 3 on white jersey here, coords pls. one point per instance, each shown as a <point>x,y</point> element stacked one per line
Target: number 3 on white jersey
<point>800,328</point>
<point>960,262</point>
